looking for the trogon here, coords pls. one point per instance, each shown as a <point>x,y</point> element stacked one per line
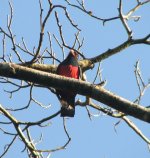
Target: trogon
<point>68,68</point>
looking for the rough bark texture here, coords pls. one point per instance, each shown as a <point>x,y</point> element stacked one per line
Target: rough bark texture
<point>84,88</point>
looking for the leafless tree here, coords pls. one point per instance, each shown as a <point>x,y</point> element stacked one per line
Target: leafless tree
<point>24,69</point>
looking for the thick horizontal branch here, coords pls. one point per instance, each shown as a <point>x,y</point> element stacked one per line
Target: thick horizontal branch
<point>84,88</point>
<point>84,64</point>
<point>41,67</point>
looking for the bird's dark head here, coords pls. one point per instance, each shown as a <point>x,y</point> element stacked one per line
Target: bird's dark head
<point>73,53</point>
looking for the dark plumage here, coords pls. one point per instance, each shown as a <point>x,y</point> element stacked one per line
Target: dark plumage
<point>69,68</point>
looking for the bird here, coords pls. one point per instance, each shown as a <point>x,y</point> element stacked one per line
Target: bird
<point>68,68</point>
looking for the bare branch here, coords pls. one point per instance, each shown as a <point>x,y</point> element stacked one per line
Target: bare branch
<point>39,123</point>
<point>117,115</point>
<point>8,147</point>
<point>81,7</point>
<point>51,52</point>
<point>4,49</point>
<point>144,2</point>
<point>12,37</point>
<point>77,41</point>
<point>8,133</point>
<point>128,30</point>
<point>134,127</point>
<point>19,131</point>
<point>60,28</point>
<point>41,35</point>
<point>25,49</point>
<point>4,32</point>
<point>86,64</point>
<point>140,83</point>
<point>65,129</point>
<point>84,88</point>
<point>60,45</point>
<point>98,72</point>
<point>62,38</point>
<point>70,20</point>
<point>129,14</point>
<point>41,13</point>
<point>107,111</point>
<point>9,22</point>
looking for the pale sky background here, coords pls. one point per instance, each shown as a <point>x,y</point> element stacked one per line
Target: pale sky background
<point>96,138</point>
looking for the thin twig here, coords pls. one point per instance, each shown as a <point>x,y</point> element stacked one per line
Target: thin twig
<point>41,35</point>
<point>8,147</point>
<point>62,37</point>
<point>140,82</point>
<point>82,8</point>
<point>135,128</point>
<point>123,20</point>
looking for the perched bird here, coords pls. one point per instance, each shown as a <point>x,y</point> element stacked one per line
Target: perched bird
<point>68,68</point>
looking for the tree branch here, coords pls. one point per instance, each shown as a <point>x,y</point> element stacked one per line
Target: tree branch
<point>19,131</point>
<point>84,88</point>
<point>119,48</point>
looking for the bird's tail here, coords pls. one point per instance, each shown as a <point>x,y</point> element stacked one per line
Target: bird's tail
<point>67,109</point>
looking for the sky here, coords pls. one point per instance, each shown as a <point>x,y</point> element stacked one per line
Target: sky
<point>89,138</point>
